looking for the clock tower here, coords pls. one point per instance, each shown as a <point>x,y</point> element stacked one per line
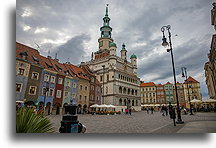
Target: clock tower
<point>105,39</point>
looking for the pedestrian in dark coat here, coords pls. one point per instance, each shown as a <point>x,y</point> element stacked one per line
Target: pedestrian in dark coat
<point>152,110</point>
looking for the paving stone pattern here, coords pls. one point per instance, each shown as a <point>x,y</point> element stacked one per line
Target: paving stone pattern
<point>138,122</point>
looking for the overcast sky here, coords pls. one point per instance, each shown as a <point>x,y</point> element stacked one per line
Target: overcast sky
<point>70,28</point>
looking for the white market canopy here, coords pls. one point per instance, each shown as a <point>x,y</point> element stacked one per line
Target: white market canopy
<point>210,101</point>
<point>18,101</point>
<point>95,105</point>
<point>103,106</point>
<point>148,105</point>
<point>195,101</point>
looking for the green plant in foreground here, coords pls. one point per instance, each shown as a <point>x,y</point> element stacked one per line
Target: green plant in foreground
<point>29,122</point>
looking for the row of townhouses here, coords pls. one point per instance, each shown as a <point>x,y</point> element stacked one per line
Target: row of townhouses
<point>161,94</point>
<point>42,79</point>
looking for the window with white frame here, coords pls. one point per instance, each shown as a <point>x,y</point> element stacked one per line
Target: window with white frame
<point>44,91</point>
<point>21,71</point>
<point>52,79</point>
<point>80,97</point>
<point>60,80</point>
<point>81,87</point>
<point>74,85</point>
<point>46,77</point>
<point>51,92</point>
<point>35,75</point>
<point>68,83</point>
<point>32,90</point>
<point>66,93</point>
<point>18,87</point>
<point>58,94</point>
<point>74,95</point>
<point>86,87</point>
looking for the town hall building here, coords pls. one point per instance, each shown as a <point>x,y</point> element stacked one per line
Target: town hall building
<point>117,75</point>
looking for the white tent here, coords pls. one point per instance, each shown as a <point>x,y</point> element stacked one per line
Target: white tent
<point>103,106</point>
<point>210,101</point>
<point>195,101</point>
<point>111,106</point>
<point>95,105</point>
<point>18,101</point>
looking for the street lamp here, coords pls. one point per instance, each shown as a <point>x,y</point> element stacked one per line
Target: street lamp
<point>165,44</point>
<point>184,74</point>
<point>103,85</point>
<point>46,90</point>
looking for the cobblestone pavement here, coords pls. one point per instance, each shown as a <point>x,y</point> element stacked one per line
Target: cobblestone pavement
<point>138,122</point>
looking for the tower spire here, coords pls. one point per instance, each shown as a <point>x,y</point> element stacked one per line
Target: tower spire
<point>106,29</point>
<point>107,10</point>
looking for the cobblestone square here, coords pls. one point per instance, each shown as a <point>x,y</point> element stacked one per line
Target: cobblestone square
<point>141,122</point>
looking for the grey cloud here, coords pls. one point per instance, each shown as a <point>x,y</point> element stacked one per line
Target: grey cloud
<point>73,49</point>
<point>133,21</point>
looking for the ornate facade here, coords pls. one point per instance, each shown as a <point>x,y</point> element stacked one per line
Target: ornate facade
<point>117,75</point>
<point>210,65</point>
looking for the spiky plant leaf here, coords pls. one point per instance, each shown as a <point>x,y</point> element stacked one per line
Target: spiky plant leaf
<point>29,122</point>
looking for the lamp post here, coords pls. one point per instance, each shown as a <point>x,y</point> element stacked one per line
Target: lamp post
<point>46,90</point>
<point>165,44</point>
<point>103,85</point>
<point>184,74</point>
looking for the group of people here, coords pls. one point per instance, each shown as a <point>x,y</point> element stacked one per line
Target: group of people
<point>128,111</point>
<point>150,109</point>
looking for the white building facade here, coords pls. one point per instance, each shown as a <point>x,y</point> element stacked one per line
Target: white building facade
<point>118,76</point>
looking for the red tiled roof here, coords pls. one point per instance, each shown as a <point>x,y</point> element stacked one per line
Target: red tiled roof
<point>80,73</point>
<point>59,67</point>
<point>46,63</point>
<point>168,83</point>
<point>190,80</point>
<point>147,84</point>
<point>33,56</point>
<point>159,85</point>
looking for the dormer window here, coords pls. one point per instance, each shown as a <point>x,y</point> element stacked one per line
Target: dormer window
<point>59,68</point>
<point>35,59</point>
<point>24,55</point>
<point>49,66</point>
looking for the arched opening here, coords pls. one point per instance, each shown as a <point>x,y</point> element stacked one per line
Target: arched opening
<point>136,92</point>
<point>128,91</point>
<point>85,110</point>
<point>136,102</point>
<point>47,108</point>
<point>124,91</point>
<point>132,102</point>
<point>79,109</point>
<point>120,89</point>
<point>125,102</point>
<point>120,101</point>
<point>132,92</point>
<point>56,109</point>
<point>129,101</point>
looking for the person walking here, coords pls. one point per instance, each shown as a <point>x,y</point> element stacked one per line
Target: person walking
<point>147,110</point>
<point>126,111</point>
<point>152,110</point>
<point>166,110</point>
<point>163,110</point>
<point>130,111</point>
